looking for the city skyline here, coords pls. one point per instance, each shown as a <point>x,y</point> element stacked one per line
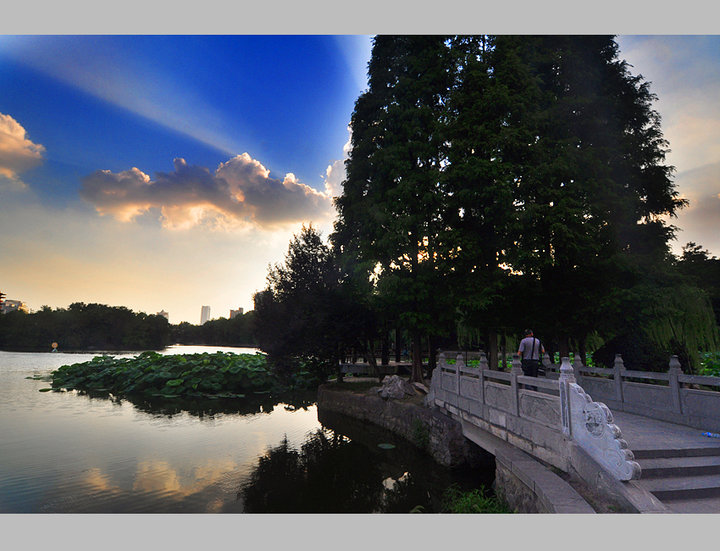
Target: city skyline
<point>141,171</point>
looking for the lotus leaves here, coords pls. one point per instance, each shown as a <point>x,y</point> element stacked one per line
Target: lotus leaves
<point>215,375</point>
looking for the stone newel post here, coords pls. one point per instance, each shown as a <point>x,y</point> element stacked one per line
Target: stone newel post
<point>674,370</point>
<point>459,364</point>
<point>566,376</point>
<point>515,371</point>
<point>619,371</point>
<point>516,368</point>
<point>577,366</point>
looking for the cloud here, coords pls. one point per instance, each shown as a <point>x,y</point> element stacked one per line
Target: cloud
<point>17,152</point>
<point>700,220</point>
<point>335,172</point>
<point>239,193</point>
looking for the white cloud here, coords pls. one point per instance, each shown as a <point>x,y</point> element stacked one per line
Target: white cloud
<point>239,193</point>
<point>335,172</point>
<point>700,220</point>
<point>17,152</point>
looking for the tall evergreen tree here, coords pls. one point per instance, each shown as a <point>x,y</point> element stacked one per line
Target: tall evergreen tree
<point>591,186</point>
<point>390,211</point>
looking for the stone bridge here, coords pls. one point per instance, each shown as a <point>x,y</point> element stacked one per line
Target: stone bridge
<point>647,454</point>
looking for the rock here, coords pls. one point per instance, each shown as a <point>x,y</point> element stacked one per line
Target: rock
<point>395,387</point>
<point>421,387</point>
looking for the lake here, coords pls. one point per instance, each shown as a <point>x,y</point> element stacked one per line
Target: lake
<point>67,452</point>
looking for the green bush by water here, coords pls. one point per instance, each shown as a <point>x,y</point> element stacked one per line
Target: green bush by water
<point>217,375</point>
<point>710,364</point>
<point>474,501</point>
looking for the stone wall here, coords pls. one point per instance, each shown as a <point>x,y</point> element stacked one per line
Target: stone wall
<point>439,435</point>
<point>525,484</point>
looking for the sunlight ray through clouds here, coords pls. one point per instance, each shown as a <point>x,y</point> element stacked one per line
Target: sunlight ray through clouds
<point>144,90</point>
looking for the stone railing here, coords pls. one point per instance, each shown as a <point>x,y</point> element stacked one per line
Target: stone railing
<point>665,396</point>
<point>543,417</point>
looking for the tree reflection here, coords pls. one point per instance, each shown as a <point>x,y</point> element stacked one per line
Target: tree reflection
<point>205,407</point>
<point>329,474</point>
<point>332,474</point>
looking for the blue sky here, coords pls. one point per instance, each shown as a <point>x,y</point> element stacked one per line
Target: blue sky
<point>243,139</point>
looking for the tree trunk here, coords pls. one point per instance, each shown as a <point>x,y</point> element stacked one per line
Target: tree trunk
<point>432,357</point>
<point>503,347</point>
<point>385,346</point>
<point>493,350</point>
<point>370,358</point>
<point>563,347</point>
<point>582,350</point>
<point>398,345</point>
<point>416,375</point>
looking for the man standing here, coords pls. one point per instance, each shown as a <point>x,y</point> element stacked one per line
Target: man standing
<point>529,351</point>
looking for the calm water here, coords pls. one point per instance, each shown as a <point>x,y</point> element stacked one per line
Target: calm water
<point>64,452</point>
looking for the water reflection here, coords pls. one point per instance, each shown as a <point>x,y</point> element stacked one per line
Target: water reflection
<point>207,407</point>
<point>63,452</point>
<point>331,473</point>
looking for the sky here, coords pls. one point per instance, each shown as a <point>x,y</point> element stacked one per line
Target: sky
<point>167,172</point>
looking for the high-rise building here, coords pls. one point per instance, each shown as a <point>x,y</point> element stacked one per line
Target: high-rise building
<point>204,314</point>
<point>238,312</point>
<point>13,306</point>
<point>164,314</point>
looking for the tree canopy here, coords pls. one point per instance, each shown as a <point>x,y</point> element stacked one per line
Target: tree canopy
<point>501,182</point>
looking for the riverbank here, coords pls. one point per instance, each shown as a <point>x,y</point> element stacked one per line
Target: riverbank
<point>430,430</point>
<point>525,484</point>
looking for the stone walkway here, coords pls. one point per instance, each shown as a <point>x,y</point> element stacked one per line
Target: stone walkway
<point>680,466</point>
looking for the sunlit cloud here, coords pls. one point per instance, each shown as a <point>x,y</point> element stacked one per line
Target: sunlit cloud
<point>700,220</point>
<point>17,152</point>
<point>335,172</point>
<point>239,193</point>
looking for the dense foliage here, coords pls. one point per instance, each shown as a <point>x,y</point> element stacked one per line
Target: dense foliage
<point>303,316</point>
<point>237,331</point>
<point>83,327</point>
<point>500,182</point>
<point>219,375</point>
<point>477,501</point>
<point>104,328</point>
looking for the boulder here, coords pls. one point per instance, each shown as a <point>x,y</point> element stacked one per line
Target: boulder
<point>395,387</point>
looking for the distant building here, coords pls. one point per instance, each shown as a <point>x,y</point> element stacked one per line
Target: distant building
<point>204,314</point>
<point>13,306</point>
<point>164,314</point>
<point>238,312</point>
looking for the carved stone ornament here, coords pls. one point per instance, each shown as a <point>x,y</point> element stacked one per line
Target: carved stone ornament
<point>592,427</point>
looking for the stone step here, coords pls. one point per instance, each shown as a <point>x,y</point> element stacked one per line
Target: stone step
<point>680,466</point>
<point>695,506</point>
<point>688,487</point>
<point>694,451</point>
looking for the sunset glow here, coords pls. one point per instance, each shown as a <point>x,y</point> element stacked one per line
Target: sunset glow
<point>167,172</point>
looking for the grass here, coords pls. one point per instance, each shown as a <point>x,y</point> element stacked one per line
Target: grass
<point>476,501</point>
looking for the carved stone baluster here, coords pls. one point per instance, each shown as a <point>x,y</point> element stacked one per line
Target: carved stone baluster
<point>546,363</point>
<point>674,370</point>
<point>516,365</point>
<point>618,372</point>
<point>459,364</point>
<point>515,371</point>
<point>577,366</point>
<point>566,376</point>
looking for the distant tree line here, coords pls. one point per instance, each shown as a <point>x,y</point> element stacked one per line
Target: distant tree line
<point>496,183</point>
<point>237,331</point>
<point>83,327</point>
<point>113,328</point>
